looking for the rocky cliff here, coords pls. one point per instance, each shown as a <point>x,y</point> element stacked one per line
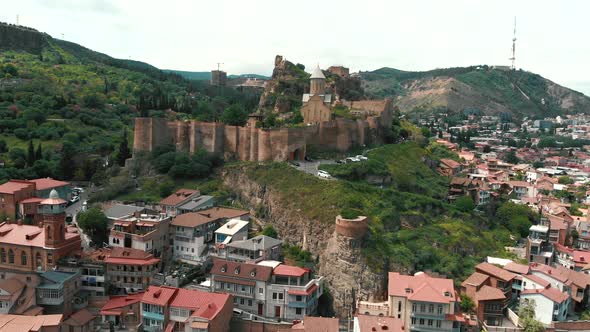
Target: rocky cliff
<point>283,91</point>
<point>339,258</point>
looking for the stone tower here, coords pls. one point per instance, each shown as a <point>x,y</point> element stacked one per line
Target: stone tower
<point>53,214</point>
<point>317,82</point>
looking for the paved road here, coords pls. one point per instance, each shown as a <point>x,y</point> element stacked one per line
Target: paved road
<point>312,167</point>
<point>73,211</point>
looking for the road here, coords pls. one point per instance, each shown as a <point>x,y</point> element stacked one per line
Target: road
<point>73,211</point>
<point>312,167</point>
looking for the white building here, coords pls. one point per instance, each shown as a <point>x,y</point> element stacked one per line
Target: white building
<point>550,304</point>
<point>232,230</point>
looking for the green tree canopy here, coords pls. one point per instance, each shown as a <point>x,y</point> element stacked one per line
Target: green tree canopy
<point>464,204</point>
<point>95,224</point>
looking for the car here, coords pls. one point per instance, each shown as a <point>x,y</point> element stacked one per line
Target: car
<point>324,174</point>
<point>352,160</point>
<point>361,157</point>
<point>338,161</point>
<point>78,189</point>
<point>74,199</point>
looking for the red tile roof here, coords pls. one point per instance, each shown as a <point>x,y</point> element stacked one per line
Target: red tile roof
<point>421,287</point>
<point>244,270</point>
<point>376,323</point>
<point>80,318</point>
<point>191,219</point>
<point>158,295</point>
<point>450,163</point>
<point>303,292</point>
<point>317,324</point>
<point>517,268</point>
<point>48,183</point>
<point>13,186</point>
<point>28,235</point>
<point>494,271</point>
<point>537,280</point>
<point>178,197</point>
<point>205,305</point>
<point>288,270</point>
<point>129,256</point>
<point>14,323</point>
<point>475,279</point>
<point>225,213</point>
<point>32,200</point>
<point>116,303</point>
<point>552,294</point>
<point>488,293</point>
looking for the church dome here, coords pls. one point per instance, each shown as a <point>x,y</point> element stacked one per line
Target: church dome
<point>317,73</point>
<point>53,194</point>
<point>53,199</point>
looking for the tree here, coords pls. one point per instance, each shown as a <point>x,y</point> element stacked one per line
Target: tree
<point>124,153</point>
<point>268,230</point>
<point>487,149</point>
<point>464,204</point>
<point>526,314</point>
<point>235,115</point>
<point>31,155</point>
<point>511,157</point>
<point>95,224</point>
<point>39,152</point>
<point>3,146</point>
<point>565,180</point>
<point>467,304</point>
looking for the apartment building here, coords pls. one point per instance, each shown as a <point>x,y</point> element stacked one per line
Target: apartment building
<point>142,231</point>
<point>171,204</point>
<point>254,250</point>
<point>498,278</point>
<point>489,301</point>
<point>177,309</point>
<point>423,302</point>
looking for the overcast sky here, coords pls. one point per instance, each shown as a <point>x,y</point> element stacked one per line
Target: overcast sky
<point>553,36</point>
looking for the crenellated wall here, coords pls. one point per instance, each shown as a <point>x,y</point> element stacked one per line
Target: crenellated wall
<point>256,144</point>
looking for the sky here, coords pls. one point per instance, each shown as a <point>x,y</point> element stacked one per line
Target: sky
<point>195,35</point>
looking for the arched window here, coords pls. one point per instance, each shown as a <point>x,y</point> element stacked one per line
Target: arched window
<point>38,259</point>
<point>23,258</point>
<point>10,256</point>
<point>49,235</point>
<point>3,255</point>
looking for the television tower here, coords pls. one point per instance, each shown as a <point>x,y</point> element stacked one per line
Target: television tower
<point>513,57</point>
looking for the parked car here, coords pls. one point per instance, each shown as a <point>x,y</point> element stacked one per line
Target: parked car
<point>324,174</point>
<point>352,160</point>
<point>74,199</point>
<point>338,161</point>
<point>361,157</point>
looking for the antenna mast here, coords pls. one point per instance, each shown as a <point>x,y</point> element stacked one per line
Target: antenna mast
<point>219,65</point>
<point>513,57</point>
<point>17,17</point>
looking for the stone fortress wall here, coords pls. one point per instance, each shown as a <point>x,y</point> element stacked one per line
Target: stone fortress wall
<point>249,143</point>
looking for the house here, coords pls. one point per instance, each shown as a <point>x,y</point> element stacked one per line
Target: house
<point>40,323</point>
<point>571,258</point>
<point>80,321</point>
<point>538,248</point>
<point>232,230</point>
<point>57,292</point>
<point>489,301</point>
<point>147,232</point>
<point>550,304</point>
<point>498,278</point>
<point>422,301</point>
<point>122,311</point>
<point>171,203</point>
<point>28,248</point>
<point>268,289</point>
<point>559,229</point>
<point>123,211</point>
<point>130,270</point>
<point>315,324</point>
<point>449,167</point>
<point>44,187</point>
<point>178,309</point>
<point>10,291</point>
<point>375,323</point>
<point>196,204</point>
<point>252,250</point>
<point>577,284</point>
<point>522,189</point>
<point>13,192</point>
<point>192,232</point>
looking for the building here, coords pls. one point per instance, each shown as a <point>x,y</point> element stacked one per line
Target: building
<point>40,323</point>
<point>232,230</point>
<point>489,301</point>
<point>10,291</point>
<point>11,194</point>
<point>193,232</point>
<point>340,71</point>
<point>498,278</point>
<point>218,78</point>
<point>122,311</point>
<point>44,187</point>
<point>315,324</point>
<point>449,167</point>
<point>577,284</point>
<point>550,304</point>
<point>271,290</point>
<point>316,103</point>
<point>147,232</point>
<point>538,248</point>
<point>254,250</point>
<point>171,204</point>
<point>30,248</point>
<point>80,321</point>
<point>364,323</point>
<point>178,309</point>
<point>422,302</point>
<point>130,270</point>
<point>57,292</point>
<point>122,211</point>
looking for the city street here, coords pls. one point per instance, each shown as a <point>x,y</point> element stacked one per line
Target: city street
<point>73,210</point>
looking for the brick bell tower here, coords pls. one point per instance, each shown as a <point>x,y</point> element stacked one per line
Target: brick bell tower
<point>53,215</point>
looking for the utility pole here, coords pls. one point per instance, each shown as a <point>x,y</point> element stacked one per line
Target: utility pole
<point>17,19</point>
<point>513,57</point>
<point>62,37</point>
<point>219,65</point>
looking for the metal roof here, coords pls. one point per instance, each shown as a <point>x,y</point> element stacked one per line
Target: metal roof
<point>317,73</point>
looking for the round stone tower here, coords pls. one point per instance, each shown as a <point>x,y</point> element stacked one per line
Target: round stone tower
<point>317,82</point>
<point>352,228</point>
<point>53,214</point>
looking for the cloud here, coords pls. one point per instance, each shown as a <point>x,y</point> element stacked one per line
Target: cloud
<point>82,6</point>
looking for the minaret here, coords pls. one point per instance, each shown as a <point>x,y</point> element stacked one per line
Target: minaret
<point>317,82</point>
<point>53,214</point>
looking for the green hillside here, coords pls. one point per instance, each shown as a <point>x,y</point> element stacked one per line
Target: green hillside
<point>492,90</point>
<point>75,105</point>
<point>206,75</point>
<point>411,227</point>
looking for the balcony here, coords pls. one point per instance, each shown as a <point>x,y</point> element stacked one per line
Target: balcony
<point>428,315</point>
<point>297,304</point>
<point>152,315</point>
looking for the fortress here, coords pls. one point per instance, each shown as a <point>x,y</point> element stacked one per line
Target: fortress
<point>321,131</point>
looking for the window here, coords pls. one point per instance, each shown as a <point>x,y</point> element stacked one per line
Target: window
<point>430,322</point>
<point>23,258</point>
<point>422,307</point>
<point>260,290</point>
<point>413,307</point>
<point>438,323</point>
<point>421,321</point>
<point>431,308</point>
<point>413,320</point>
<point>298,298</point>
<point>440,309</point>
<point>242,301</point>
<point>10,256</point>
<point>298,311</point>
<point>280,296</point>
<point>49,258</point>
<point>399,306</point>
<point>274,296</point>
<point>249,303</point>
<point>3,255</point>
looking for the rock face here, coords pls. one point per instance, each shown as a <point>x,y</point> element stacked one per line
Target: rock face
<point>285,87</point>
<point>340,257</point>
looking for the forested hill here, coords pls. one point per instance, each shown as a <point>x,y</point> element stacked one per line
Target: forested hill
<point>491,90</point>
<point>73,106</point>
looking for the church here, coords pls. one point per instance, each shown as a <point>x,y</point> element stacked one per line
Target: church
<point>316,103</point>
